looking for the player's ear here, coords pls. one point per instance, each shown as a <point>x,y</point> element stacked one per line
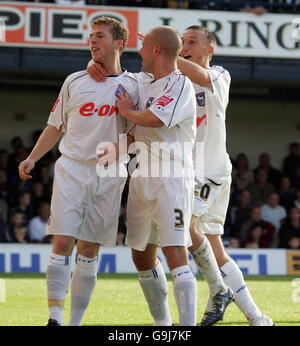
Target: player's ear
<point>211,50</point>
<point>120,44</point>
<point>156,50</point>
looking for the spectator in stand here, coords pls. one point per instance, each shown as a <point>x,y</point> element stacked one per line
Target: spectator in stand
<point>296,200</point>
<point>3,159</point>
<point>4,236</point>
<point>241,170</point>
<point>290,228</point>
<point>20,234</point>
<point>286,6</point>
<point>240,213</point>
<point>255,218</point>
<point>78,3</point>
<point>274,175</point>
<point>260,189</point>
<point>251,245</point>
<point>45,178</point>
<point>3,209</point>
<point>234,243</point>
<point>256,235</point>
<point>37,194</point>
<point>13,160</point>
<point>3,184</point>
<point>177,4</point>
<point>294,243</point>
<point>255,7</point>
<point>38,224</point>
<point>16,220</point>
<point>135,3</point>
<point>15,185</point>
<point>24,206</point>
<point>273,213</point>
<point>291,164</point>
<point>286,193</point>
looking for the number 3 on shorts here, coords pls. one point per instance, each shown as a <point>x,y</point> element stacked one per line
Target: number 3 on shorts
<point>179,218</point>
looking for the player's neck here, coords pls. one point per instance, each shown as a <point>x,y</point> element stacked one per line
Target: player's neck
<point>163,70</point>
<point>113,69</point>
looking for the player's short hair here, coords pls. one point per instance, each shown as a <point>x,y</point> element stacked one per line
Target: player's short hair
<point>118,29</point>
<point>169,40</point>
<point>211,38</point>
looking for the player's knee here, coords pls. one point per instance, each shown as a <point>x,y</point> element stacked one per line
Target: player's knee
<point>87,249</point>
<point>142,261</point>
<point>176,256</point>
<point>63,245</point>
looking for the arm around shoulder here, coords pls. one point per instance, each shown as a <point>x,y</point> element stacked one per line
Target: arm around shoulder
<point>196,73</point>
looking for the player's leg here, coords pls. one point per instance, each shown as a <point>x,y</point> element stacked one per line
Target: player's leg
<point>154,284</point>
<point>203,255</point>
<point>83,280</point>
<point>58,275</point>
<point>233,277</point>
<point>184,283</point>
<point>210,203</point>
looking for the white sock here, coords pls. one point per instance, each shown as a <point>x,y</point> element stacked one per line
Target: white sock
<point>82,285</point>
<point>155,288</point>
<point>185,292</point>
<point>207,264</point>
<point>233,277</point>
<point>56,313</point>
<point>58,275</point>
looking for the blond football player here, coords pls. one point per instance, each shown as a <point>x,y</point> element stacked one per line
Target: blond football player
<point>84,207</point>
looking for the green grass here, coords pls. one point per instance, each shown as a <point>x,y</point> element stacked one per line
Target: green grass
<point>118,301</point>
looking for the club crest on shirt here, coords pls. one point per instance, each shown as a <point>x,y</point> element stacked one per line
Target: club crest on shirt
<point>200,97</point>
<point>150,100</point>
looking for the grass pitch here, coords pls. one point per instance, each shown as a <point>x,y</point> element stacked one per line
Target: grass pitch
<point>118,301</point>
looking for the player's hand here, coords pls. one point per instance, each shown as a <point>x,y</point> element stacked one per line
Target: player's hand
<point>124,103</point>
<point>25,167</point>
<point>108,153</point>
<point>96,71</point>
<point>141,36</point>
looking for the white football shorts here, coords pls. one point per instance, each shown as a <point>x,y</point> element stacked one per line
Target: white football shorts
<point>210,205</point>
<point>159,212</point>
<point>84,205</point>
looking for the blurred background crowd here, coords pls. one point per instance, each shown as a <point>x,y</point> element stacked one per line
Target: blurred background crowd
<point>264,209</point>
<point>255,6</point>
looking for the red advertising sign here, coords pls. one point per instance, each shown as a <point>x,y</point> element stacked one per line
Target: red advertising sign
<point>57,26</point>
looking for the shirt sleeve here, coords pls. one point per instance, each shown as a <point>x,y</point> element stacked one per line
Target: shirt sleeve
<point>58,116</point>
<point>177,104</point>
<point>220,80</point>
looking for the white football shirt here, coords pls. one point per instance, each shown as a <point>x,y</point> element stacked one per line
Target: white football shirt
<point>211,128</point>
<point>172,100</point>
<point>86,110</point>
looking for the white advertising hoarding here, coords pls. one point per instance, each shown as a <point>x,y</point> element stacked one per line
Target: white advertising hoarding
<point>33,258</point>
<point>238,33</point>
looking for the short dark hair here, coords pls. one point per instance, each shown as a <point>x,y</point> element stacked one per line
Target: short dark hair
<point>211,38</point>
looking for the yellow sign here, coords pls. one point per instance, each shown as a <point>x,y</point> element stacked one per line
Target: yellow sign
<point>293,262</point>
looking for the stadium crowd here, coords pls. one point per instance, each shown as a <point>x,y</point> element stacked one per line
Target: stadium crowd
<point>258,7</point>
<point>264,209</point>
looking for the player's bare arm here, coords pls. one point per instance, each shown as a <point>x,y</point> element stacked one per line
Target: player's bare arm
<point>46,142</point>
<point>195,72</point>
<point>96,71</point>
<point>143,118</point>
